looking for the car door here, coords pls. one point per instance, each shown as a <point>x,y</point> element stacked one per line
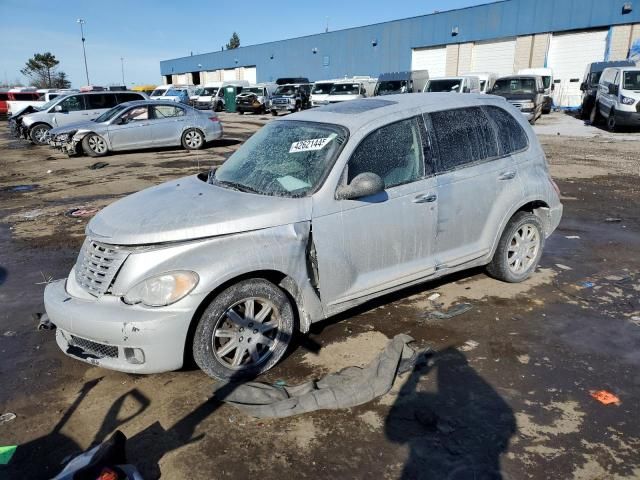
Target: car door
<point>476,182</point>
<point>72,109</point>
<point>367,245</point>
<point>166,124</point>
<point>98,103</point>
<point>131,129</point>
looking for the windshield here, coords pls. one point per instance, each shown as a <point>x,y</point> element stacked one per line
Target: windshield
<point>631,80</point>
<point>286,90</point>
<point>109,114</point>
<point>158,92</point>
<point>449,85</point>
<point>322,88</point>
<point>256,90</point>
<point>345,89</point>
<point>50,103</point>
<point>514,86</point>
<point>284,158</point>
<point>546,81</point>
<point>209,91</point>
<point>391,86</point>
<point>198,92</point>
<point>176,92</point>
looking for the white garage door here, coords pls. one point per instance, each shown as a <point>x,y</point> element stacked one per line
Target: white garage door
<point>495,56</point>
<point>182,79</point>
<point>433,59</point>
<point>249,74</point>
<point>229,74</point>
<point>569,54</point>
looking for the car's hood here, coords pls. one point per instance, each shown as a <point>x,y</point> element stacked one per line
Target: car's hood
<point>189,208</point>
<point>22,112</point>
<point>84,125</point>
<point>342,98</point>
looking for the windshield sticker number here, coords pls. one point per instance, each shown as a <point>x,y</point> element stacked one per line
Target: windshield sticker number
<point>311,145</point>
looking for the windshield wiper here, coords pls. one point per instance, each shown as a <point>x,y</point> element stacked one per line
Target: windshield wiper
<point>236,186</point>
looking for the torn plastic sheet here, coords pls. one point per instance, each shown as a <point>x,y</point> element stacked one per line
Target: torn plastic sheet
<point>347,388</point>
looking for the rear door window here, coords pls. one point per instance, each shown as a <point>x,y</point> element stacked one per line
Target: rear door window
<point>136,114</point>
<point>128,97</point>
<point>3,96</point>
<point>100,101</point>
<point>511,136</point>
<point>464,136</point>
<point>166,111</point>
<point>394,152</point>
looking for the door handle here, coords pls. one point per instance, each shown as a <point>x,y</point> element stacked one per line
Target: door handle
<point>180,120</point>
<point>507,175</point>
<point>425,198</point>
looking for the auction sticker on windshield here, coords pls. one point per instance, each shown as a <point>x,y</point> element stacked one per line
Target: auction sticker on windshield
<point>310,145</point>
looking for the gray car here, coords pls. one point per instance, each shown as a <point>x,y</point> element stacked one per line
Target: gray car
<point>136,125</point>
<point>316,213</point>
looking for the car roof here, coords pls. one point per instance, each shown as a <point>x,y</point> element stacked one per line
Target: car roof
<point>134,103</point>
<point>523,75</point>
<point>356,114</point>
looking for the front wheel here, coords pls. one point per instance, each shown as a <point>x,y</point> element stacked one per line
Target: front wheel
<point>274,113</point>
<point>192,139</point>
<point>519,249</point>
<point>94,145</point>
<point>39,133</point>
<point>595,117</point>
<point>612,125</point>
<point>244,331</point>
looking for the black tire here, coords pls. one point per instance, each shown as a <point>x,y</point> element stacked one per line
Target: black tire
<point>612,125</point>
<point>94,145</point>
<point>209,350</point>
<point>274,113</point>
<point>192,139</point>
<point>500,267</point>
<point>595,117</point>
<point>585,111</point>
<point>218,107</point>
<point>240,112</point>
<point>37,133</point>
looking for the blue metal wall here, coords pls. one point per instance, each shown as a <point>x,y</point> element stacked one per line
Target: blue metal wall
<point>351,51</point>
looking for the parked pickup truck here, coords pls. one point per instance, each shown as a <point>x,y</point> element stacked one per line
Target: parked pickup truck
<point>255,99</point>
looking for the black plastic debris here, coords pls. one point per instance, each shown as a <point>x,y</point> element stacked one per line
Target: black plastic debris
<point>452,312</point>
<point>21,188</point>
<point>81,212</point>
<point>98,165</point>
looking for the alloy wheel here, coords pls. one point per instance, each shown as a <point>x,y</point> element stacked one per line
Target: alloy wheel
<point>246,333</point>
<point>193,139</point>
<point>40,134</point>
<point>97,144</point>
<point>523,248</point>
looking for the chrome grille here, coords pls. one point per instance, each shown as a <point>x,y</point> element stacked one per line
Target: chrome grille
<point>98,265</point>
<point>517,104</point>
<point>98,349</point>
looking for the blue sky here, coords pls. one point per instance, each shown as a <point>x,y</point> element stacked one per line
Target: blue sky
<point>144,32</point>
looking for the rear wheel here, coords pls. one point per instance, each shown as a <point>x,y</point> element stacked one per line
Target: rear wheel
<point>595,118</point>
<point>94,145</point>
<point>244,331</point>
<point>519,249</point>
<point>193,139</point>
<point>274,113</point>
<point>38,134</point>
<point>240,112</point>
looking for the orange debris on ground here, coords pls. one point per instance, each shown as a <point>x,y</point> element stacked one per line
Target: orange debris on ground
<point>606,398</point>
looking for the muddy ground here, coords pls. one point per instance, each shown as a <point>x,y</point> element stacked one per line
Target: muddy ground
<point>505,395</point>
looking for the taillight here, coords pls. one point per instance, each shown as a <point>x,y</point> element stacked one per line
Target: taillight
<point>214,119</point>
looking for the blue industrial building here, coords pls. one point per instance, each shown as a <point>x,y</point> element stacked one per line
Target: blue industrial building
<point>499,36</point>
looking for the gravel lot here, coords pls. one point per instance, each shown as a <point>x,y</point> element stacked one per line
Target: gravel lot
<point>507,391</point>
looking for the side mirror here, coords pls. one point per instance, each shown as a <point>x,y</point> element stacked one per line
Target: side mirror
<point>583,87</point>
<point>541,90</point>
<point>553,87</point>
<point>364,185</point>
<point>121,121</point>
<point>58,108</point>
<point>613,89</point>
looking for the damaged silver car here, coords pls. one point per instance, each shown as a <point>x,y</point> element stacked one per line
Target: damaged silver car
<point>137,125</point>
<point>316,213</point>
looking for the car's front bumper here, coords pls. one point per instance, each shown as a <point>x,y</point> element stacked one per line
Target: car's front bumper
<point>250,108</point>
<point>108,333</point>
<point>628,119</point>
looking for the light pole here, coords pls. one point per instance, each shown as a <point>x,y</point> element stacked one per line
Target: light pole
<point>122,67</point>
<point>84,52</point>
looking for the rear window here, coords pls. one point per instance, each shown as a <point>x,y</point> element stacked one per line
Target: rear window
<point>128,97</point>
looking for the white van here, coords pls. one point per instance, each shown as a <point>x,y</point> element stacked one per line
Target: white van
<point>459,84</point>
<point>487,80</point>
<point>547,81</point>
<point>320,91</point>
<point>161,90</point>
<point>212,95</point>
<point>351,89</point>
<point>618,98</point>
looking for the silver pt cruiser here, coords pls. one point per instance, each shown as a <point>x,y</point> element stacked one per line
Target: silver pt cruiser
<point>316,213</point>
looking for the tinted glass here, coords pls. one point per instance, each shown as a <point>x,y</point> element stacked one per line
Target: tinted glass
<point>100,101</point>
<point>25,96</point>
<point>463,136</point>
<point>451,85</point>
<point>72,103</point>
<point>3,96</point>
<point>345,89</point>
<point>515,86</point>
<point>167,111</point>
<point>394,152</point>
<point>109,114</point>
<point>632,80</point>
<point>322,88</point>
<point>511,136</point>
<point>128,97</point>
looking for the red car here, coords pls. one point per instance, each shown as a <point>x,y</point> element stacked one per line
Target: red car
<point>18,96</point>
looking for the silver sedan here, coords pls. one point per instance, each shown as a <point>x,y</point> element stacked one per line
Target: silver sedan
<point>136,125</point>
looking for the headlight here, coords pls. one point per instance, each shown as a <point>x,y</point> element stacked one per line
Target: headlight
<point>163,289</point>
<point>292,100</point>
<point>627,100</point>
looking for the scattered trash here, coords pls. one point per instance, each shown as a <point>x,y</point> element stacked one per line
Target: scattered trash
<point>45,280</point>
<point>587,284</point>
<point>452,312</point>
<point>21,188</point>
<point>49,171</point>
<point>613,220</point>
<point>563,267</point>
<point>82,212</point>
<point>347,388</point>
<point>573,237</point>
<point>280,383</point>
<point>433,296</point>
<point>469,345</point>
<point>7,417</point>
<point>32,214</point>
<point>9,333</point>
<point>6,452</point>
<point>604,397</point>
<point>43,321</point>
<point>98,165</point>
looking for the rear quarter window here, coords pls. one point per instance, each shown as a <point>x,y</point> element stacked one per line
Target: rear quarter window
<point>100,101</point>
<point>129,97</point>
<point>511,136</point>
